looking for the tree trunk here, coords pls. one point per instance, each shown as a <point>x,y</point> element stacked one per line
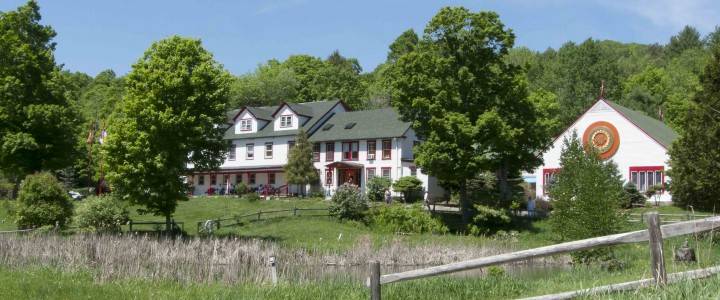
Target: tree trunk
<point>16,188</point>
<point>465,205</point>
<point>168,225</point>
<point>503,186</point>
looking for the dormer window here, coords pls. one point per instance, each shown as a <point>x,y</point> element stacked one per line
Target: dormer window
<point>245,125</point>
<point>285,121</point>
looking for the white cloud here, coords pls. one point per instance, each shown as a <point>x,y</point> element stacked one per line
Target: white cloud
<point>675,14</point>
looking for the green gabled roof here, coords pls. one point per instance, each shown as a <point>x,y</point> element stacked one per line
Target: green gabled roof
<point>377,123</point>
<point>314,110</point>
<point>656,129</point>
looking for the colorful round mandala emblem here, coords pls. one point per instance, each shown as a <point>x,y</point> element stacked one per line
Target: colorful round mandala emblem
<point>602,137</point>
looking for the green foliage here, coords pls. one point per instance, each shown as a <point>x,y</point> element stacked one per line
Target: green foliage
<point>42,201</point>
<point>101,214</point>
<point>241,188</point>
<point>587,191</point>
<point>376,188</point>
<point>688,38</point>
<point>441,87</point>
<point>403,44</point>
<point>488,220</point>
<point>175,97</point>
<point>399,218</point>
<point>695,155</point>
<point>348,203</point>
<point>410,187</point>
<point>633,196</point>
<point>39,127</point>
<point>300,168</point>
<point>250,197</point>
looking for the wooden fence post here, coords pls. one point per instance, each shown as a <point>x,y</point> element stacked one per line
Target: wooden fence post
<point>130,225</point>
<point>375,280</point>
<point>657,261</point>
<point>273,269</point>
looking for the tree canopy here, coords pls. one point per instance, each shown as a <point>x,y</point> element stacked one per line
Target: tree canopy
<point>38,128</point>
<point>469,105</point>
<point>176,96</point>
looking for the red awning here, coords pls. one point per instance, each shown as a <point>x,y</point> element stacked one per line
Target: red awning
<point>344,165</point>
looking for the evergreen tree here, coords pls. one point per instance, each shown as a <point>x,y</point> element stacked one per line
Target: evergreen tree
<point>695,156</point>
<point>300,169</point>
<point>688,38</point>
<point>586,195</point>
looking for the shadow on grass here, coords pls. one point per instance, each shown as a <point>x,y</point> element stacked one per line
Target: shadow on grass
<point>453,220</point>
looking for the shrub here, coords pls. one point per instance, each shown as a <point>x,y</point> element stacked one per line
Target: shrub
<point>413,219</point>
<point>101,214</point>
<point>241,188</point>
<point>488,220</point>
<point>348,203</point>
<point>633,195</point>
<point>42,201</point>
<point>410,187</point>
<point>586,197</point>
<point>376,188</point>
<point>251,197</point>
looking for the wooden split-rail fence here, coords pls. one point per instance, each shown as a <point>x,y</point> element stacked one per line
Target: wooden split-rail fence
<point>263,215</point>
<point>654,235</point>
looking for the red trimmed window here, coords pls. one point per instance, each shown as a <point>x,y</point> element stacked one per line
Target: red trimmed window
<point>201,179</point>
<point>645,177</point>
<point>350,150</point>
<point>271,178</point>
<point>213,179</point>
<point>238,178</point>
<point>549,178</point>
<point>371,149</point>
<point>385,172</point>
<point>251,178</point>
<point>328,177</point>
<point>330,151</point>
<point>386,149</point>
<point>316,152</point>
<point>370,173</point>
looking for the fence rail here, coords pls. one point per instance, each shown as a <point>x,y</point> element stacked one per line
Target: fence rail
<point>132,223</point>
<point>258,216</point>
<point>654,234</point>
<point>669,218</point>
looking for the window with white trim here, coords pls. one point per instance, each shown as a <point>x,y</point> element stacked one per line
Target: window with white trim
<point>268,150</point>
<point>246,125</point>
<point>249,151</point>
<point>231,152</point>
<point>286,121</point>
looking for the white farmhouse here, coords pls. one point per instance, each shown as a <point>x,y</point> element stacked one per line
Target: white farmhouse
<point>637,143</point>
<point>348,147</point>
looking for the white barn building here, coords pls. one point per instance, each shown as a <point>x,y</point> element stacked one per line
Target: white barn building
<point>637,143</point>
<point>349,146</point>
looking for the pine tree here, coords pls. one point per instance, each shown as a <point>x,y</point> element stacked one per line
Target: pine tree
<point>586,196</point>
<point>695,156</point>
<point>299,169</point>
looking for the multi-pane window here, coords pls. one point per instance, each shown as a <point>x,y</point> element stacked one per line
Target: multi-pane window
<point>330,151</point>
<point>231,152</point>
<point>201,179</point>
<point>386,172</point>
<point>238,178</point>
<point>271,178</point>
<point>213,179</point>
<point>370,173</point>
<point>350,150</point>
<point>251,178</point>
<point>413,171</point>
<point>268,150</point>
<point>245,125</point>
<point>249,151</point>
<point>316,152</point>
<point>371,149</point>
<point>328,177</point>
<point>291,145</point>
<point>549,178</point>
<point>386,149</point>
<point>285,121</point>
<point>646,177</point>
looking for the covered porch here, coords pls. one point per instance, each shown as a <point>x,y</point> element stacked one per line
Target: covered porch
<point>343,172</point>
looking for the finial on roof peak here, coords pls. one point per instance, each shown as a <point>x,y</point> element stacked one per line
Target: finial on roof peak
<point>602,89</point>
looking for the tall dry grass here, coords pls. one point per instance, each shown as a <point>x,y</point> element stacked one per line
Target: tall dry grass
<point>228,260</point>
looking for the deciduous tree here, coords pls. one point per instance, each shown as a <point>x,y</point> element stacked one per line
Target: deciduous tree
<point>172,115</point>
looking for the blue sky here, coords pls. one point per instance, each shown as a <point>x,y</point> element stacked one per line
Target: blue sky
<point>96,35</point>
